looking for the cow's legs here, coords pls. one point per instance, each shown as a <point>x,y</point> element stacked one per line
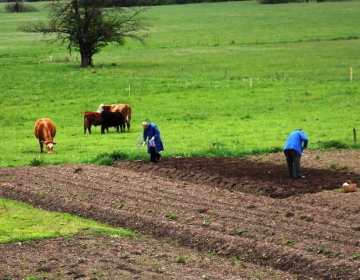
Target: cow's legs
<point>41,146</point>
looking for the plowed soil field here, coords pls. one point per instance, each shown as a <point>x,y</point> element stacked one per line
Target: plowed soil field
<point>202,218</point>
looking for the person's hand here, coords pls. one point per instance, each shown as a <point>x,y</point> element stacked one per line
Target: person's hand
<point>144,143</point>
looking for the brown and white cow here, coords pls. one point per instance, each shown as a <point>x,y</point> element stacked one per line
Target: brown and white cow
<point>45,131</point>
<point>124,109</point>
<point>92,118</point>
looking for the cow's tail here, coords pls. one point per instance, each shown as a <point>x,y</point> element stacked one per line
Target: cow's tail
<point>86,123</point>
<point>128,117</point>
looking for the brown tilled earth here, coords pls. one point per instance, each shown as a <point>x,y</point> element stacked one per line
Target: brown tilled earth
<point>228,218</point>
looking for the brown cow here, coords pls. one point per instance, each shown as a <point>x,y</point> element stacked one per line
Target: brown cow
<point>45,131</point>
<point>124,109</point>
<point>92,118</point>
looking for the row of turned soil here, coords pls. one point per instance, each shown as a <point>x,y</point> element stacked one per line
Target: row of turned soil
<point>262,178</point>
<point>308,237</point>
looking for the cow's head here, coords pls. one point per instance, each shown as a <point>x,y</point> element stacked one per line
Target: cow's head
<point>101,108</point>
<point>49,146</point>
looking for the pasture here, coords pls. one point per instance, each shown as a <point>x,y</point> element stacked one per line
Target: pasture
<point>218,79</point>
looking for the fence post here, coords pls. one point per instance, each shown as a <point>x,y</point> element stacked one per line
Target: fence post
<point>354,133</point>
<point>139,143</point>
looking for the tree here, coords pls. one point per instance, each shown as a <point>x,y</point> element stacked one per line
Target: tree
<point>88,26</point>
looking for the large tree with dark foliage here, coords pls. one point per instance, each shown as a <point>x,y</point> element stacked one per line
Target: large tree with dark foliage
<point>88,26</point>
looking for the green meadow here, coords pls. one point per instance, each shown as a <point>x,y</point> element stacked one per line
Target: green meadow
<point>20,223</point>
<point>219,79</point>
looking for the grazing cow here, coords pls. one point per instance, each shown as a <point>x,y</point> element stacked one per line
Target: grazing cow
<point>124,109</point>
<point>45,131</point>
<point>92,118</point>
<point>111,119</point>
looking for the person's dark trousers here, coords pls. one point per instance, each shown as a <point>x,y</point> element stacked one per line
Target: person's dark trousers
<point>293,163</point>
<point>154,156</point>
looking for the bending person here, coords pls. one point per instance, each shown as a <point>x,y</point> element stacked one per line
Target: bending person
<point>155,145</point>
<point>296,142</point>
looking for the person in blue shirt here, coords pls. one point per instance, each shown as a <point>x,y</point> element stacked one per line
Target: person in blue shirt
<point>296,142</point>
<point>155,145</point>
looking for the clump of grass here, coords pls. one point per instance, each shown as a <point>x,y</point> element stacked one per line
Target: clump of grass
<point>181,260</point>
<point>172,215</point>
<point>290,242</point>
<point>333,165</point>
<point>111,158</point>
<point>332,144</point>
<point>240,231</point>
<point>355,256</point>
<point>324,251</point>
<point>206,223</point>
<point>121,205</point>
<point>36,161</point>
<point>237,259</point>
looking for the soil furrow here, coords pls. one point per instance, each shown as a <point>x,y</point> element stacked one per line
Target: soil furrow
<point>286,242</point>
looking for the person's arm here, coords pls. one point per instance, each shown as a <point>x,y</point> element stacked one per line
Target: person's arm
<point>305,141</point>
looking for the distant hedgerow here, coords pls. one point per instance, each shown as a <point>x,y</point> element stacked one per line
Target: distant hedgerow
<point>279,1</point>
<point>18,7</point>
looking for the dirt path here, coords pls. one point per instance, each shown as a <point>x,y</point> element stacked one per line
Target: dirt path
<point>235,208</point>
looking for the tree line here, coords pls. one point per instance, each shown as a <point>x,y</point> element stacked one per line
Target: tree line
<point>136,3</point>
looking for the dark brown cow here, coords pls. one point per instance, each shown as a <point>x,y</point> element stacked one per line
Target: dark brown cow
<point>114,119</point>
<point>45,131</point>
<point>124,109</point>
<point>92,118</point>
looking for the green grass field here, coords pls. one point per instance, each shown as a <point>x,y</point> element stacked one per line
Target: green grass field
<point>219,79</point>
<point>20,222</point>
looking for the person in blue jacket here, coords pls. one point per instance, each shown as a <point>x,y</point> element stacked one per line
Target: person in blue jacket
<point>296,142</point>
<point>155,145</point>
